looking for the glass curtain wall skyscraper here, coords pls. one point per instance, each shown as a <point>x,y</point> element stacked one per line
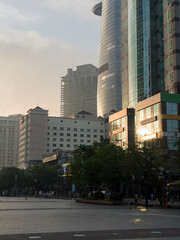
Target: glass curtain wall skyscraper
<point>109,93</point>
<point>139,51</point>
<point>150,49</point>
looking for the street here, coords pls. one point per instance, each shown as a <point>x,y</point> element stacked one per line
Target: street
<point>65,219</point>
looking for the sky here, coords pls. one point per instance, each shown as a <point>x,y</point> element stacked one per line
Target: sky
<point>39,41</point>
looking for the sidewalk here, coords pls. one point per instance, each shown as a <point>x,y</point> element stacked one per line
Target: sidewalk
<point>130,201</point>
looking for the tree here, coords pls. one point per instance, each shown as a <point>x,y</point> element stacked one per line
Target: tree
<point>12,177</point>
<point>112,160</point>
<point>43,176</point>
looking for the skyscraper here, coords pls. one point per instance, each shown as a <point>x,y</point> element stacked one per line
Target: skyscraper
<point>109,94</point>
<point>140,45</point>
<point>79,90</point>
<point>150,49</point>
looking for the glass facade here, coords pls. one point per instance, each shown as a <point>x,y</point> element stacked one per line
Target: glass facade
<point>109,93</point>
<point>138,49</point>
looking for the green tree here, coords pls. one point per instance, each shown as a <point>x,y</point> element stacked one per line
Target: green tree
<point>12,177</point>
<point>112,160</point>
<point>43,176</point>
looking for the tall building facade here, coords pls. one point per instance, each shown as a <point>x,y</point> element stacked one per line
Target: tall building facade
<point>79,90</point>
<point>150,49</point>
<point>140,41</point>
<point>32,137</point>
<point>109,93</point>
<point>9,134</point>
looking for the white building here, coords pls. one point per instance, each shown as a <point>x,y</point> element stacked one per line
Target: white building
<point>9,129</point>
<point>32,137</point>
<point>40,135</point>
<point>79,90</point>
<point>68,133</point>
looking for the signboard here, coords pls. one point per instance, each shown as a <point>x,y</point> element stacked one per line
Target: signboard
<point>66,169</point>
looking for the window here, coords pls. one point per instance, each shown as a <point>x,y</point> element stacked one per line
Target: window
<point>88,141</point>
<point>148,112</point>
<point>170,61</point>
<point>101,131</point>
<point>68,145</point>
<point>81,135</point>
<point>54,134</point>
<point>171,108</point>
<point>54,139</point>
<point>54,128</point>
<point>75,134</point>
<point>68,129</point>
<point>61,134</point>
<point>75,129</point>
<point>75,140</point>
<point>88,135</point>
<point>170,29</point>
<point>141,115</point>
<point>54,145</point>
<point>61,128</point>
<point>95,136</point>
<point>171,76</point>
<point>61,139</point>
<point>75,145</point>
<point>68,134</point>
<point>172,143</point>
<point>68,140</point>
<point>169,15</point>
<point>88,130</point>
<point>170,45</point>
<point>156,109</point>
<point>95,130</point>
<point>172,125</point>
<point>123,122</point>
<point>168,2</point>
<point>82,140</point>
<point>82,129</point>
<point>156,126</point>
<point>61,145</point>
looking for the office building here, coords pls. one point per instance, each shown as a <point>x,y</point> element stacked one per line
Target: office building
<point>142,39</point>
<point>9,134</point>
<point>109,93</point>
<point>150,49</point>
<point>122,128</point>
<point>79,90</point>
<point>41,135</point>
<point>158,121</point>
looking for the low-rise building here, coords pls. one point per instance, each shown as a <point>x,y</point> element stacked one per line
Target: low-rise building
<point>158,121</point>
<point>122,131</point>
<point>41,135</point>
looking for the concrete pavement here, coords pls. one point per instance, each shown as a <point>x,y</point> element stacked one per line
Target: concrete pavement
<point>49,217</point>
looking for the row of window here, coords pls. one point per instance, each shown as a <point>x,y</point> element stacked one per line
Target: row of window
<point>65,146</point>
<point>75,129</point>
<point>171,108</point>
<point>75,135</point>
<point>69,140</point>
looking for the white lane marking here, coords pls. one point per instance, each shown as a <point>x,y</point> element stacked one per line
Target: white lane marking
<point>79,235</point>
<point>35,237</point>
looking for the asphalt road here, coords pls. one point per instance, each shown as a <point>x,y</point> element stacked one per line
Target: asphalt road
<point>65,219</point>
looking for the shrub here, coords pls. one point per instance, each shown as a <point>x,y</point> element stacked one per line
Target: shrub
<point>115,196</point>
<point>98,195</point>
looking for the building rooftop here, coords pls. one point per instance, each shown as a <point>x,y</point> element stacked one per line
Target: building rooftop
<point>97,9</point>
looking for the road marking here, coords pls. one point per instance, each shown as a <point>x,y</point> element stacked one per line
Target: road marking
<point>79,235</point>
<point>157,232</point>
<point>35,237</point>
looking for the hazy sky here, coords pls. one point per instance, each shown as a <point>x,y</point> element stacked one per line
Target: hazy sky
<point>39,40</point>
